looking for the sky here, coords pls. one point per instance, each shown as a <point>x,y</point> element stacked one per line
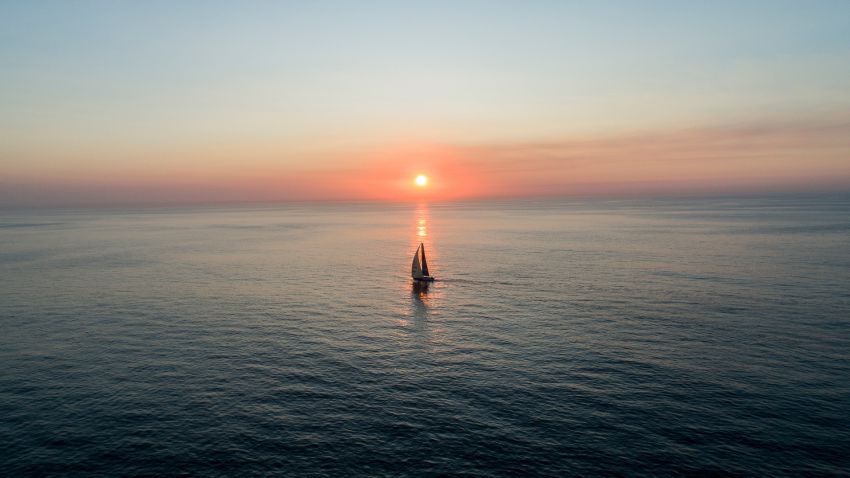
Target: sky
<point>155,102</point>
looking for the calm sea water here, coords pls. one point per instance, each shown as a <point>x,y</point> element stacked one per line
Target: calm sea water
<point>562,338</point>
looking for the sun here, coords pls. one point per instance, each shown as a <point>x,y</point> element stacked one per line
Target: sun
<point>421,180</point>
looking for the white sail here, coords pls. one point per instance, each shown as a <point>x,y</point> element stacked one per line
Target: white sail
<point>416,267</point>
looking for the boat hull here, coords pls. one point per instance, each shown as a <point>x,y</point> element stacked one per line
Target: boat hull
<point>424,279</point>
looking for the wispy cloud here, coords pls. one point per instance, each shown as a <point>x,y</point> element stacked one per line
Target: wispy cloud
<point>796,154</point>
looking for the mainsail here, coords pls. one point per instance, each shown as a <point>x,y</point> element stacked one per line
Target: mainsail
<point>424,262</point>
<point>416,268</point>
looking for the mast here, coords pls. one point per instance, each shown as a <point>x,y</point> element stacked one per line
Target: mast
<point>424,262</point>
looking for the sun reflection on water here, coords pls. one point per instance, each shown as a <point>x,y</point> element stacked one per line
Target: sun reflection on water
<point>421,225</point>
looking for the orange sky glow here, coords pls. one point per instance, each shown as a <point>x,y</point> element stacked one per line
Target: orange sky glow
<point>762,156</point>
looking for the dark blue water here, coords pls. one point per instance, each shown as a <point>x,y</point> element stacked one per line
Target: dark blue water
<point>563,338</point>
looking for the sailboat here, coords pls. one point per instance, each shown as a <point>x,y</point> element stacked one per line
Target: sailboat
<point>419,269</point>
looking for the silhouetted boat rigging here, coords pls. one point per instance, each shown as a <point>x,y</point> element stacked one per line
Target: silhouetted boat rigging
<point>419,269</point>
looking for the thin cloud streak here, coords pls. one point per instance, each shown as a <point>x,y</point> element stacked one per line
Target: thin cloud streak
<point>797,155</point>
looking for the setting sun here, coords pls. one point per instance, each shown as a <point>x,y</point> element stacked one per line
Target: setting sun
<point>421,180</point>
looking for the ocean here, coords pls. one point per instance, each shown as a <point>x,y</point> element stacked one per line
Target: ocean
<point>562,338</point>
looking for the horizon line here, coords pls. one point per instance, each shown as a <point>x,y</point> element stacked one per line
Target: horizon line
<point>696,196</point>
